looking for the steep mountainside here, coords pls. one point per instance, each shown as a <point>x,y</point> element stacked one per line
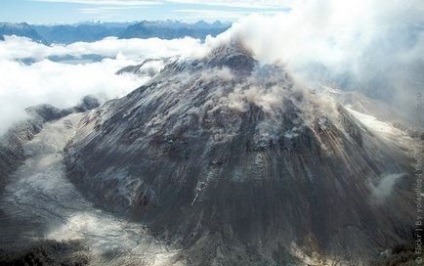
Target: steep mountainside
<point>235,163</point>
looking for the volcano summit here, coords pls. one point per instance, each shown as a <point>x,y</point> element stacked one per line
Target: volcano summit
<point>232,162</point>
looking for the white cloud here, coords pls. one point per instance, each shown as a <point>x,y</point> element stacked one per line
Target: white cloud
<point>136,49</point>
<point>64,85</point>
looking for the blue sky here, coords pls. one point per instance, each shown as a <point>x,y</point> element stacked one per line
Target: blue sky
<point>71,11</point>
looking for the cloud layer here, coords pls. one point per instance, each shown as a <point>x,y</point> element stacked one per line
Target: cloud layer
<point>63,84</point>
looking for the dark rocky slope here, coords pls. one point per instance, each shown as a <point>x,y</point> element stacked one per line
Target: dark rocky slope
<point>237,164</point>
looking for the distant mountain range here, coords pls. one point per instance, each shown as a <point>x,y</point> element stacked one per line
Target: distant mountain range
<point>20,29</point>
<point>81,32</point>
<point>90,32</point>
<point>172,30</point>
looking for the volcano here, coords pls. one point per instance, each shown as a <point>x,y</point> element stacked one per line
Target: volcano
<point>234,162</point>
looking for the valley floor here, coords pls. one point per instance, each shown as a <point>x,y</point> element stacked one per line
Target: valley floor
<point>41,204</point>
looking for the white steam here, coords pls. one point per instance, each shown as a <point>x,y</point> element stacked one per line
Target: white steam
<point>375,47</point>
<point>385,186</point>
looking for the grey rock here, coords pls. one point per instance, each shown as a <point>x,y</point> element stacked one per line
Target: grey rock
<point>231,177</point>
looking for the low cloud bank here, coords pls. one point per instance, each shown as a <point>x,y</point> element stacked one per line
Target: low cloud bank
<point>63,84</point>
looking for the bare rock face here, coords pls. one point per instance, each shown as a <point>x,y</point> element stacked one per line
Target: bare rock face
<point>236,164</point>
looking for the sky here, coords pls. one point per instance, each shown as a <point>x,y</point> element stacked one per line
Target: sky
<point>73,11</point>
